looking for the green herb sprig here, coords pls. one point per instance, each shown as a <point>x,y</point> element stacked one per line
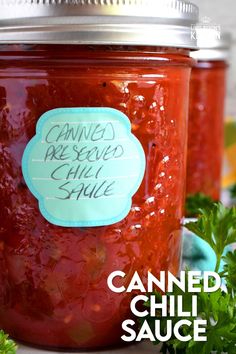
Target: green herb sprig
<point>195,202</point>
<point>233,191</point>
<point>7,346</point>
<point>216,226</point>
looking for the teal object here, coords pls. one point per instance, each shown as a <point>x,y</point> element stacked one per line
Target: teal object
<point>84,165</point>
<point>197,253</point>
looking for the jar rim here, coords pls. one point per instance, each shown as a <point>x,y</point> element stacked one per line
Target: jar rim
<point>166,23</point>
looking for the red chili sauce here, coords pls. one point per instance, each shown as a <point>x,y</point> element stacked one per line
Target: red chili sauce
<point>206,129</point>
<point>53,280</point>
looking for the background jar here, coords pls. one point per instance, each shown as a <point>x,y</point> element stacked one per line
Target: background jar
<point>53,285</point>
<point>206,113</point>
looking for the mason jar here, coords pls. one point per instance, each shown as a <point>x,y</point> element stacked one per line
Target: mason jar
<point>93,126</point>
<point>206,113</point>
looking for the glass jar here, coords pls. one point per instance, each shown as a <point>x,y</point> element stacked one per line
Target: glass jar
<point>206,114</point>
<point>63,228</point>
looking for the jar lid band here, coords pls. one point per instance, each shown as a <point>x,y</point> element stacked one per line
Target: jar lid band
<point>120,22</point>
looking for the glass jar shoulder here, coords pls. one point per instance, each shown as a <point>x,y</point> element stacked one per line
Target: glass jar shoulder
<point>93,54</point>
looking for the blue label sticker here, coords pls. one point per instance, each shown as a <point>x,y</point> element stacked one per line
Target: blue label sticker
<point>84,165</point>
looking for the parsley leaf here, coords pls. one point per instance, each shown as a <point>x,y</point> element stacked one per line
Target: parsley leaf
<point>229,272</point>
<point>216,226</point>
<point>233,191</point>
<point>7,346</point>
<point>197,201</point>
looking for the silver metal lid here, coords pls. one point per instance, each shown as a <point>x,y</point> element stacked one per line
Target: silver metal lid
<point>213,44</point>
<point>120,22</point>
